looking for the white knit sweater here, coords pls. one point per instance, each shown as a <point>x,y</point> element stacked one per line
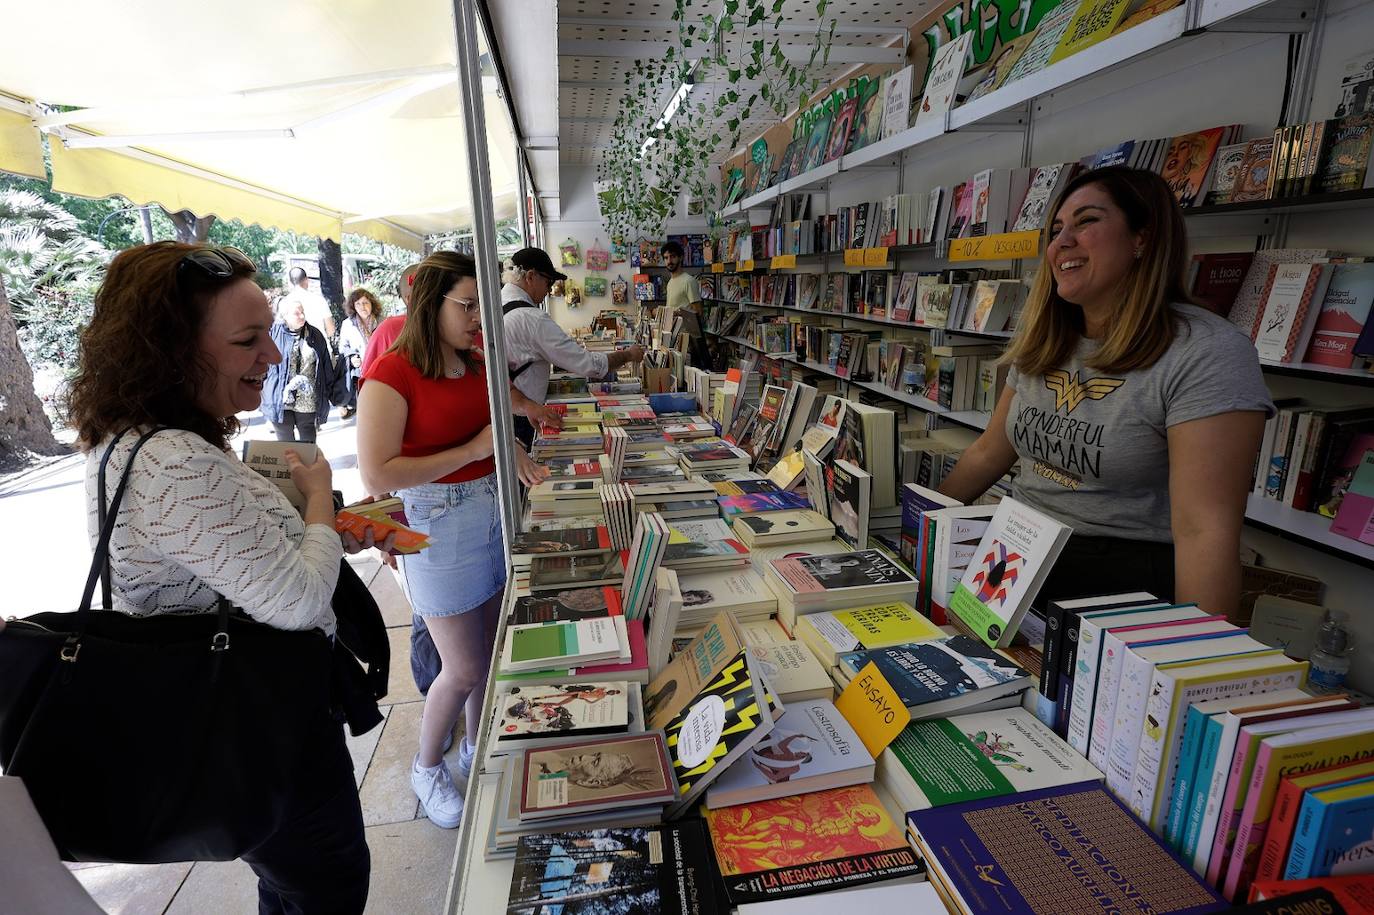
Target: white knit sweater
<point>196,522</point>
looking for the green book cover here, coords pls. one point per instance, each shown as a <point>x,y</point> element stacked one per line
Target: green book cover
<point>556,640</point>
<point>986,754</point>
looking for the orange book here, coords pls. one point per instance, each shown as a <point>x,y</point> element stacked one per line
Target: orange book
<point>824,840</point>
<point>1354,893</point>
<point>383,516</point>
<point>1288,801</point>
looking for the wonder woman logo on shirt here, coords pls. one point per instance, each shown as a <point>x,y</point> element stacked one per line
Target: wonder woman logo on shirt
<point>1069,391</point>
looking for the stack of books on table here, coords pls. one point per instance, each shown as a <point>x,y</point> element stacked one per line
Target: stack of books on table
<point>835,581</point>
<point>559,498</point>
<point>586,783</point>
<point>778,528</point>
<point>708,455</point>
<point>694,545</point>
<point>740,591</point>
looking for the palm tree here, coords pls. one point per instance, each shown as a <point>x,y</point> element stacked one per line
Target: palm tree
<point>50,271</point>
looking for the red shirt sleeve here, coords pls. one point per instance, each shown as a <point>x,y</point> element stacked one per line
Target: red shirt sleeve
<point>393,370</point>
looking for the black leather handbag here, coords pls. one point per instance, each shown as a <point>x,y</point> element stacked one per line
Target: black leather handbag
<point>163,738</point>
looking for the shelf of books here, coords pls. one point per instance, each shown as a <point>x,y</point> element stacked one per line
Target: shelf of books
<point>989,112</point>
<point>715,647</point>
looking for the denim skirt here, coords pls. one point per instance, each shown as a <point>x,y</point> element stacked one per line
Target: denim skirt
<point>465,564</point>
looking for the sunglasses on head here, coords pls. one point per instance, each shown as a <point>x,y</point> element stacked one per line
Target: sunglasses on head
<point>217,263</point>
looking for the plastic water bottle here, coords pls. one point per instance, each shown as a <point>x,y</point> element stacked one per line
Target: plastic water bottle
<point>1331,658</point>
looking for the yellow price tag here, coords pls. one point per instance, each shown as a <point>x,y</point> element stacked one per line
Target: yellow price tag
<point>717,268</point>
<point>875,257</point>
<point>783,260</point>
<point>745,266</point>
<point>1004,247</point>
<point>853,257</point>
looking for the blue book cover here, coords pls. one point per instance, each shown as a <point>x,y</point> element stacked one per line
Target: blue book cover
<point>1202,785</point>
<point>1335,831</point>
<point>1069,850</point>
<point>942,675</point>
<point>1194,729</point>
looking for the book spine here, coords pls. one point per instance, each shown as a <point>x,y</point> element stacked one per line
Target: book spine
<point>1302,492</point>
<point>1194,728</point>
<point>1237,780</point>
<point>1302,852</point>
<point>1276,162</point>
<point>1278,460</point>
<point>1248,825</point>
<point>1136,675</point>
<point>1297,454</point>
<point>1104,714</point>
<point>1051,655</point>
<point>1273,855</point>
<point>1084,698</point>
<point>1157,745</point>
<point>1217,793</point>
<point>1200,799</point>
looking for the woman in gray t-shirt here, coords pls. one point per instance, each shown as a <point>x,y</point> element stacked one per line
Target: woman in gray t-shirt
<point>1135,417</point>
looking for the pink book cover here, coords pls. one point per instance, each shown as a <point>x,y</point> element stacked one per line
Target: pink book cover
<point>639,655</point>
<point>1355,518</point>
<point>1247,830</point>
<point>1227,822</point>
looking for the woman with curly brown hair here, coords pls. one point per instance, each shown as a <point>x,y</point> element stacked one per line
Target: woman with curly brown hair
<point>362,314</point>
<point>180,340</point>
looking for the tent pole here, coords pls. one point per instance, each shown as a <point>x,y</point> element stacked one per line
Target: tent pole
<point>484,248</point>
<point>524,197</point>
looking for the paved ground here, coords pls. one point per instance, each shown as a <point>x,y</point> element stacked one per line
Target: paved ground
<point>411,859</point>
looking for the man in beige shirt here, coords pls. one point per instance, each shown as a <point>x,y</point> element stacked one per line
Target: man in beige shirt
<point>683,291</point>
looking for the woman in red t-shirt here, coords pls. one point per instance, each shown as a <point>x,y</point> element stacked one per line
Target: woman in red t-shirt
<point>424,432</point>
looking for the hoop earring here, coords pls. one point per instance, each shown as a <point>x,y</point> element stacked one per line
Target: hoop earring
<point>1139,253</point>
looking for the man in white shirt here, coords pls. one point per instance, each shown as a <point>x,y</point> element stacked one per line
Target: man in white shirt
<point>316,308</point>
<point>535,342</point>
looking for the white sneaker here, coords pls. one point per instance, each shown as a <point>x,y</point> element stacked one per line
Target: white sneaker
<point>466,753</point>
<point>438,795</point>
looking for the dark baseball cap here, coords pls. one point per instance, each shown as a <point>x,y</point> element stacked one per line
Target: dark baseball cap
<point>536,259</point>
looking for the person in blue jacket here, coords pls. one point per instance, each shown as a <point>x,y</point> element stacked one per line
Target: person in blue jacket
<point>295,396</point>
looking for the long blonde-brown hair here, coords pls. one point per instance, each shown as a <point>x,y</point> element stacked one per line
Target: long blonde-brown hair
<point>1144,327</point>
<point>419,339</point>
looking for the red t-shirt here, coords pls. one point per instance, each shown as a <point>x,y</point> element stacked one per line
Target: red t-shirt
<point>443,412</point>
<point>381,340</point>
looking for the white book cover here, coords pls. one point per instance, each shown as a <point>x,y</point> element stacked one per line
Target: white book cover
<point>1137,674</point>
<point>945,71</point>
<point>1013,558</point>
<point>1038,198</point>
<point>897,103</point>
<point>1114,648</point>
<point>811,747</point>
<point>1089,654</point>
<point>706,593</point>
<point>1176,688</point>
<point>268,460</point>
<point>1284,308</point>
<point>793,672</point>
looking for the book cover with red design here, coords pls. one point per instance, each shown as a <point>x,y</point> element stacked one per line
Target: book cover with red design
<point>808,843</point>
<point>1284,326</point>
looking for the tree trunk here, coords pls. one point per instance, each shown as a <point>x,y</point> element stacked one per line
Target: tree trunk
<point>332,275</point>
<point>191,229</point>
<point>24,427</point>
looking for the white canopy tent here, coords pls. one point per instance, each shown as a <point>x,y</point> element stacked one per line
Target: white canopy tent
<point>317,116</point>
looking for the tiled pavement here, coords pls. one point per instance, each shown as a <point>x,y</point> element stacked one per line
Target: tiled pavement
<point>411,859</point>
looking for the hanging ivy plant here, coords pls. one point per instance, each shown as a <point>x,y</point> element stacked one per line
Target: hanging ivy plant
<point>735,46</point>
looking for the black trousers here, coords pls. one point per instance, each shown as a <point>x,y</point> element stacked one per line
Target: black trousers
<point>319,860</point>
<point>1090,566</point>
<point>295,427</point>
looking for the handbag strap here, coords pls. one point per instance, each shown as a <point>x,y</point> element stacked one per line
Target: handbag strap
<point>101,570</point>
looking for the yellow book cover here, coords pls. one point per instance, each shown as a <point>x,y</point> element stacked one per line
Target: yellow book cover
<point>873,709</point>
<point>1093,22</point>
<point>833,633</point>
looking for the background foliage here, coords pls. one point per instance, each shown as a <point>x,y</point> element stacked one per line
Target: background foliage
<point>639,184</point>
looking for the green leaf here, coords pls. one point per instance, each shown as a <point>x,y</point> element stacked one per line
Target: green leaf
<point>757,45</point>
<point>727,24</point>
<point>731,6</point>
<point>734,76</point>
<point>777,5</point>
<point>733,124</point>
